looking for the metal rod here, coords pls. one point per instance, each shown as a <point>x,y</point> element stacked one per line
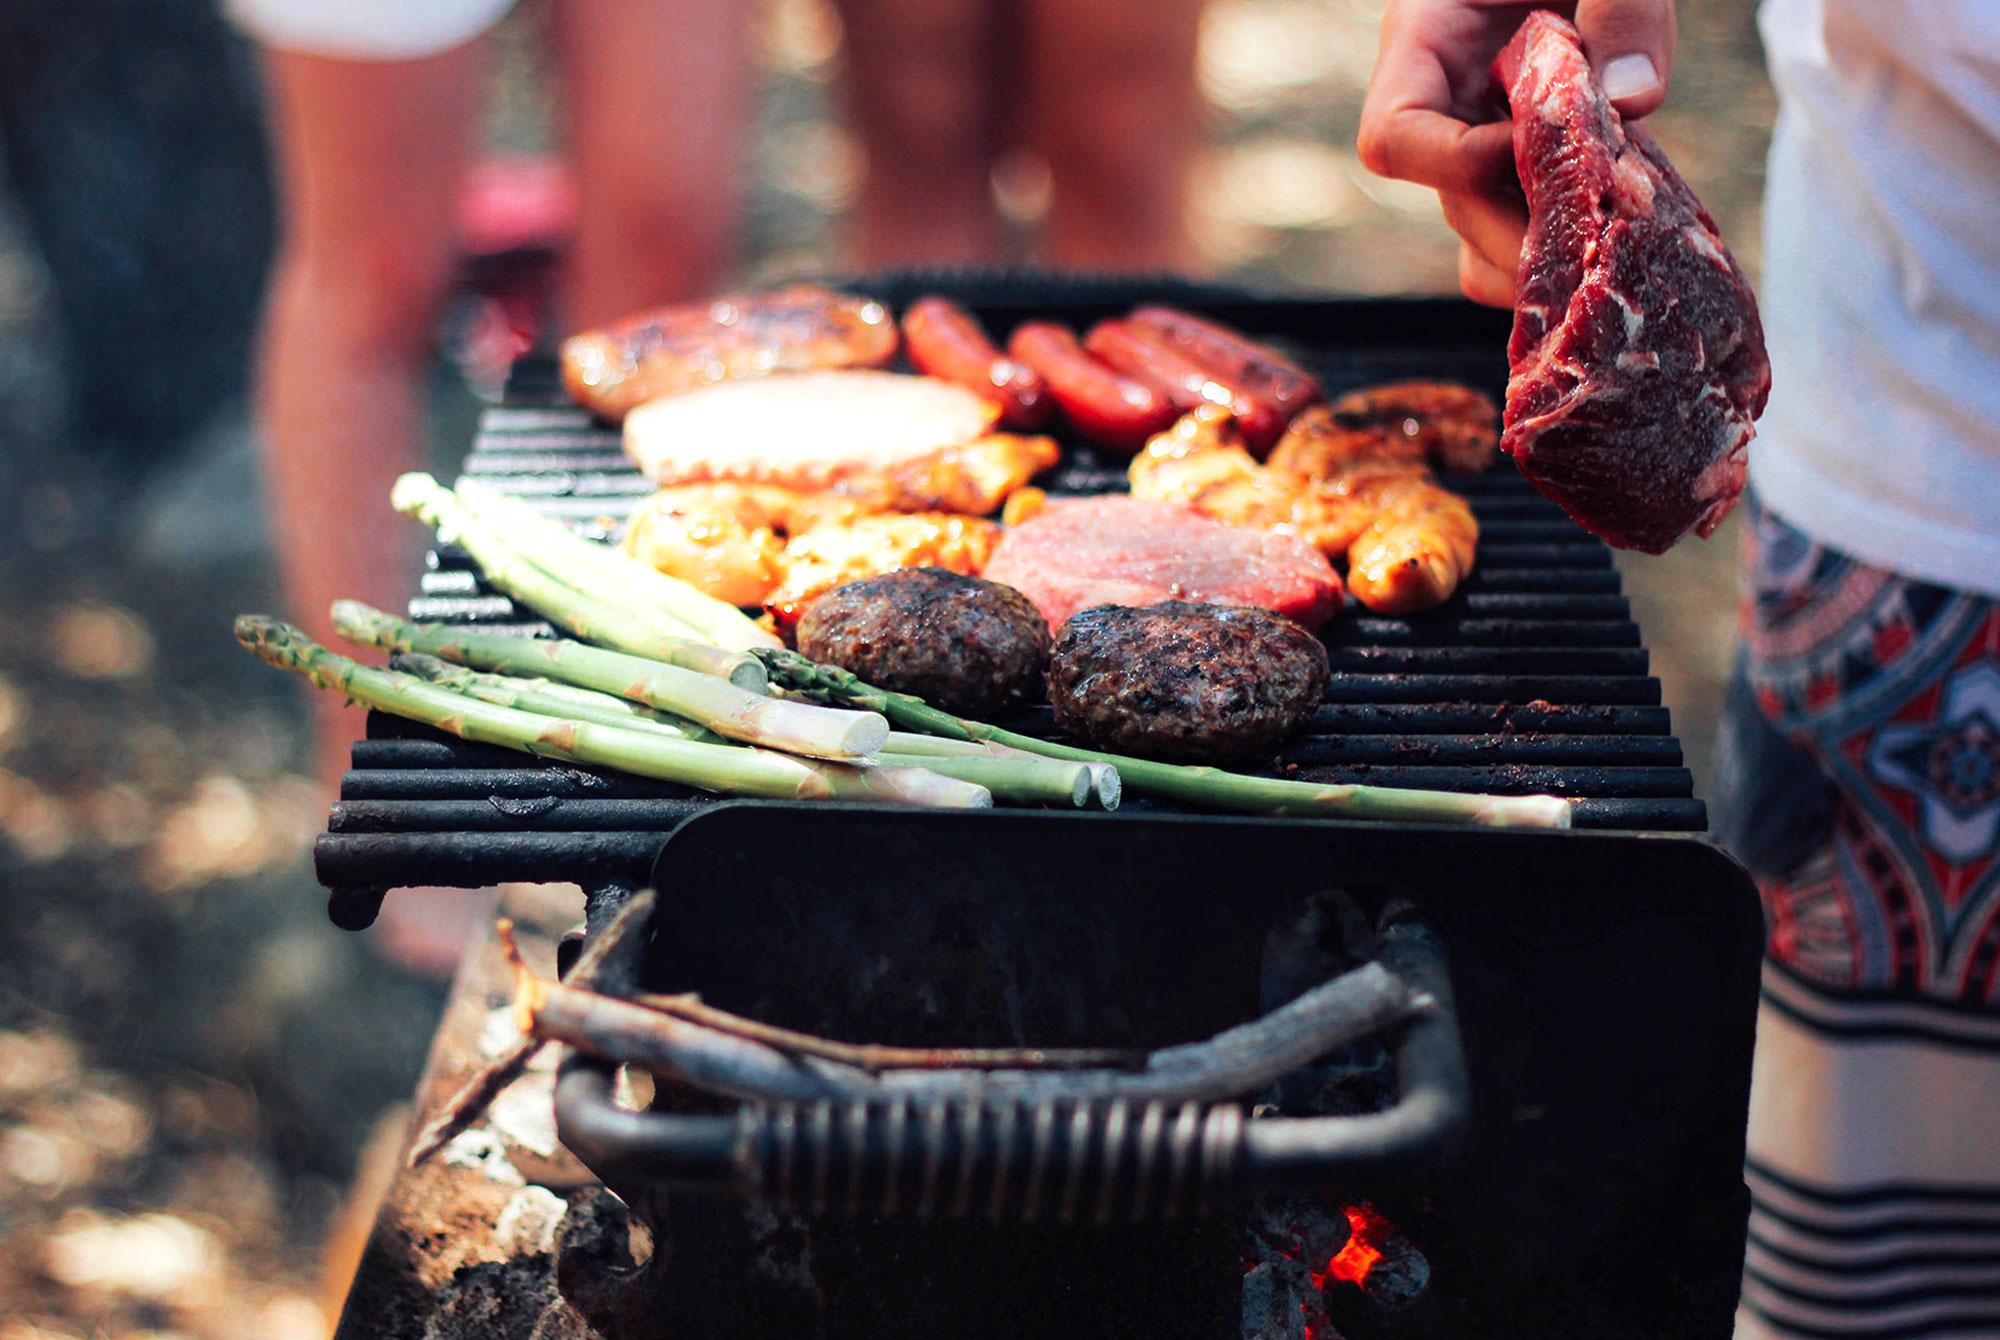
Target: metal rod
<point>1511,779</point>
<point>477,860</point>
<point>1455,750</point>
<point>1492,660</point>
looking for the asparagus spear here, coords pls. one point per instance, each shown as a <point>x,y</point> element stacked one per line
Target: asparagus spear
<point>550,698</point>
<point>517,571</point>
<point>1011,775</point>
<point>613,575</point>
<point>1211,788</point>
<point>725,768</point>
<point>795,727</point>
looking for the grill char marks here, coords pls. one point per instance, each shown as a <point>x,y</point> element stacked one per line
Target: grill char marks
<point>1184,682</point>
<point>972,647</point>
<point>1638,361</point>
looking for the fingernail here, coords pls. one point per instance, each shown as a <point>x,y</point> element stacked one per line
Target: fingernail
<point>1628,77</point>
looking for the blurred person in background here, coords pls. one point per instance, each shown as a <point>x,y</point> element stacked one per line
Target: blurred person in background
<point>1098,93</point>
<point>1860,752</point>
<point>375,109</point>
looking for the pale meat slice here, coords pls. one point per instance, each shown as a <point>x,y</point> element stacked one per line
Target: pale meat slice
<point>900,442</point>
<point>1126,551</point>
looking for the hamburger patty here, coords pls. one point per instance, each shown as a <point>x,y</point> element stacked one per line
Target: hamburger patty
<point>1184,682</point>
<point>972,647</point>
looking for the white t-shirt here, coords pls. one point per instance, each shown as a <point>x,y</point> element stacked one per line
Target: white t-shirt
<point>1881,283</point>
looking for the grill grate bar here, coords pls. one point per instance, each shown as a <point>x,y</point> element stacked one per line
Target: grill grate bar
<point>1490,660</point>
<point>1375,630</point>
<point>1514,779</point>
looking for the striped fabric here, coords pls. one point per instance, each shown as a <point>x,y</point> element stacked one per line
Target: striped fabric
<point>1874,1168</point>
<point>1860,781</point>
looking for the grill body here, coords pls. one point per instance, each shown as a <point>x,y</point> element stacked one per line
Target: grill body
<point>1605,990</point>
<point>1606,979</point>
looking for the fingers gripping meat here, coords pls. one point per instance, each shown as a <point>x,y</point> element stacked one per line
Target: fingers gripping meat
<point>947,341</point>
<point>676,349</point>
<point>1107,408</point>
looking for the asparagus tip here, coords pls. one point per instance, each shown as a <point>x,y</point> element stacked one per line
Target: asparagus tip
<point>411,491</point>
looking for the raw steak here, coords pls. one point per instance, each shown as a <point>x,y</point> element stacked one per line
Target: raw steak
<point>1123,551</point>
<point>1637,358</point>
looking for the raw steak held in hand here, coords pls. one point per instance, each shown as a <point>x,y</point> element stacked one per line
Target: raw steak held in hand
<point>1637,360</point>
<point>1125,551</point>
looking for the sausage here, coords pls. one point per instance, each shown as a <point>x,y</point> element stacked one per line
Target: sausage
<point>1108,409</point>
<point>1158,362</point>
<point>1232,359</point>
<point>947,341</point>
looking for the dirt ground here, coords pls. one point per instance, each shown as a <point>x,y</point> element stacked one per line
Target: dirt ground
<point>191,1058</point>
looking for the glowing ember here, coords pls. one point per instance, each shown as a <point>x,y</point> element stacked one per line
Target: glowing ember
<point>1367,1231</point>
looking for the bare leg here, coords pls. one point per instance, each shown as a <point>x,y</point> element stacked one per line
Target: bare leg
<point>656,95</point>
<point>370,155</point>
<point>922,88</point>
<point>1112,107</point>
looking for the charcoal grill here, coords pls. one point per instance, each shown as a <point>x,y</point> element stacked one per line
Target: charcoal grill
<point>1606,978</point>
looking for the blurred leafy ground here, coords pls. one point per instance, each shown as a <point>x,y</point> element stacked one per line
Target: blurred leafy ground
<point>191,1058</point>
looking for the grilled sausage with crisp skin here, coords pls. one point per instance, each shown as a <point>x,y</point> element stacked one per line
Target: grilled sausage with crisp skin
<point>1107,408</point>
<point>947,341</point>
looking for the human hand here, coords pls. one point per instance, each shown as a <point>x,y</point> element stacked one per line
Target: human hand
<point>1430,113</point>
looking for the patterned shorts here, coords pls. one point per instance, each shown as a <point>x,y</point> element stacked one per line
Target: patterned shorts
<point>1860,770</point>
<point>1859,778</point>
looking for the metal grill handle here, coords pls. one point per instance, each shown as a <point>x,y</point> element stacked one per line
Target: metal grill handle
<point>1004,1158</point>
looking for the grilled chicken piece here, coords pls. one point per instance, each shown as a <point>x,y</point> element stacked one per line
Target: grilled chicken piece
<point>833,555</point>
<point>902,443</point>
<point>729,539</point>
<point>677,349</point>
<point>1453,428</point>
<point>1408,541</point>
<point>758,544</point>
<point>1416,551</point>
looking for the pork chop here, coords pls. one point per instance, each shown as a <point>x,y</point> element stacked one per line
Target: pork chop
<point>901,443</point>
<point>1082,552</point>
<point>1637,359</point>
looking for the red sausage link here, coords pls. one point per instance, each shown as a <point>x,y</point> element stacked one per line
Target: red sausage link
<point>1160,362</point>
<point>1110,410</point>
<point>947,341</point>
<point>1233,359</point>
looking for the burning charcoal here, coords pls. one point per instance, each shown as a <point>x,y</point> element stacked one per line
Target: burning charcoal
<point>1288,1239</point>
<point>1378,1271</point>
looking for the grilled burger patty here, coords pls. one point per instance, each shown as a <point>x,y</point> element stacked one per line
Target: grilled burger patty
<point>972,647</point>
<point>1184,682</point>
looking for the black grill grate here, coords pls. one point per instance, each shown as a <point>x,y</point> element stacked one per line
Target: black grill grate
<point>1533,679</point>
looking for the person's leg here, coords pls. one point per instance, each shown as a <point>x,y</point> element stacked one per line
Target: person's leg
<point>922,92</point>
<point>1859,783</point>
<point>1112,107</point>
<point>370,154</point>
<point>656,96</point>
